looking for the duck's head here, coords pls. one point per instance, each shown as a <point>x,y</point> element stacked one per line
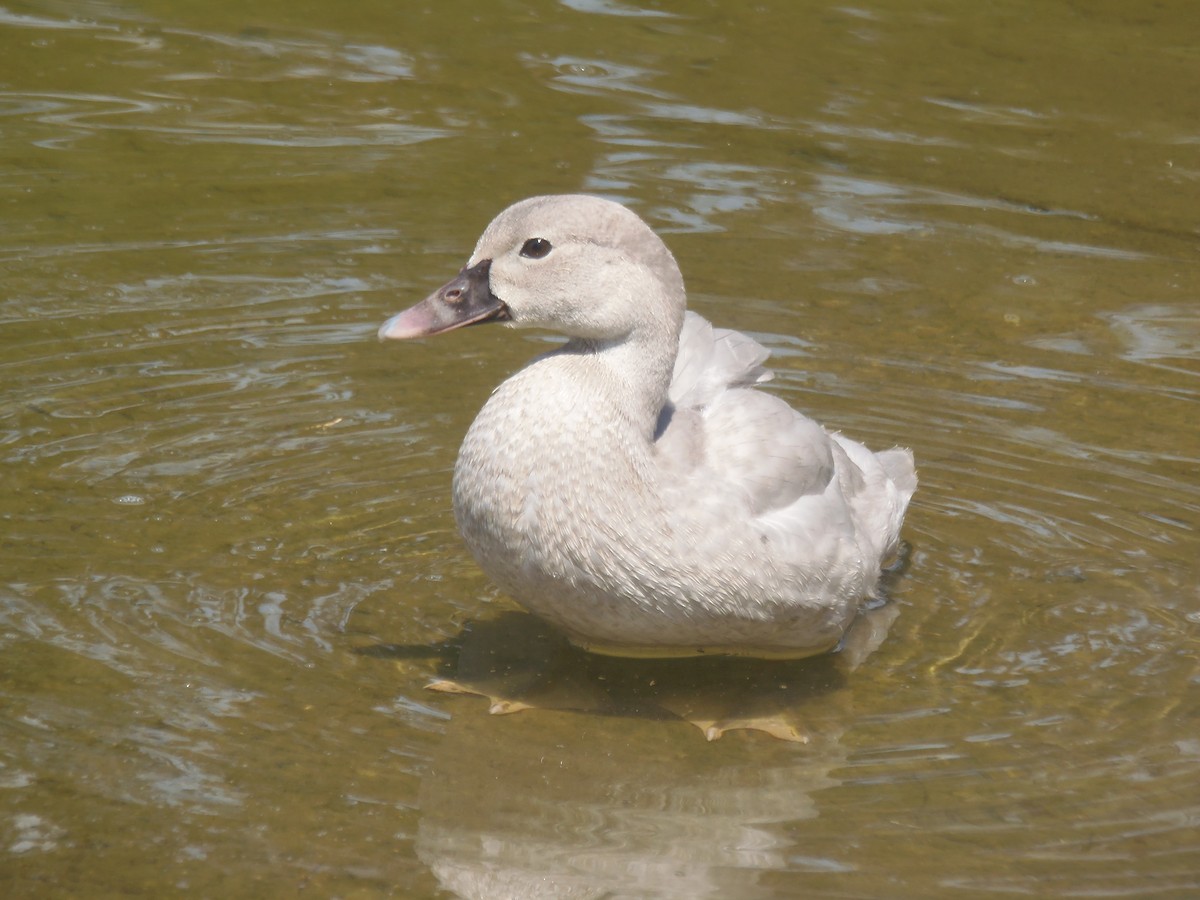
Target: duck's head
<point>582,266</point>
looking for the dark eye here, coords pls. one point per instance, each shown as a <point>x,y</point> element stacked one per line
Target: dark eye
<point>535,248</point>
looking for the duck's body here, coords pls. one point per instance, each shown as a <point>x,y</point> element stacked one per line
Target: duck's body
<point>632,487</point>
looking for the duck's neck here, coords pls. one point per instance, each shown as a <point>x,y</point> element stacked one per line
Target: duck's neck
<point>637,370</point>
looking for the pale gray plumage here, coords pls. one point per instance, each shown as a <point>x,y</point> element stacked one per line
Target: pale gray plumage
<point>634,487</point>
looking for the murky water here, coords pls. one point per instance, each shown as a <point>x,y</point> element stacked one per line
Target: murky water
<point>227,563</point>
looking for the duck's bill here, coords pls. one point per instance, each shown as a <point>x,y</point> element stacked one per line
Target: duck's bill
<point>467,300</point>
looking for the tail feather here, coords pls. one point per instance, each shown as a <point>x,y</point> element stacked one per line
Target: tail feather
<point>900,468</point>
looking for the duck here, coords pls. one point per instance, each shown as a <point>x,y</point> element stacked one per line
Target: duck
<point>635,487</point>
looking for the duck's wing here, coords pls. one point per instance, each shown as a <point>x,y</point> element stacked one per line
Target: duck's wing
<point>794,477</point>
<point>717,427</point>
<point>712,360</point>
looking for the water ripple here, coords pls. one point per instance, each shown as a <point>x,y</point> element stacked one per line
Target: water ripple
<point>83,114</point>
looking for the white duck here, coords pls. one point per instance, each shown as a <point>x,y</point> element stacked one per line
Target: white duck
<point>632,487</point>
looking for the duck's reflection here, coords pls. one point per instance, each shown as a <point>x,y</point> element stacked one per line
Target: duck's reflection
<point>518,663</point>
<point>612,809</point>
<point>622,802</point>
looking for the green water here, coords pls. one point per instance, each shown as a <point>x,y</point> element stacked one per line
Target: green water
<point>228,567</point>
